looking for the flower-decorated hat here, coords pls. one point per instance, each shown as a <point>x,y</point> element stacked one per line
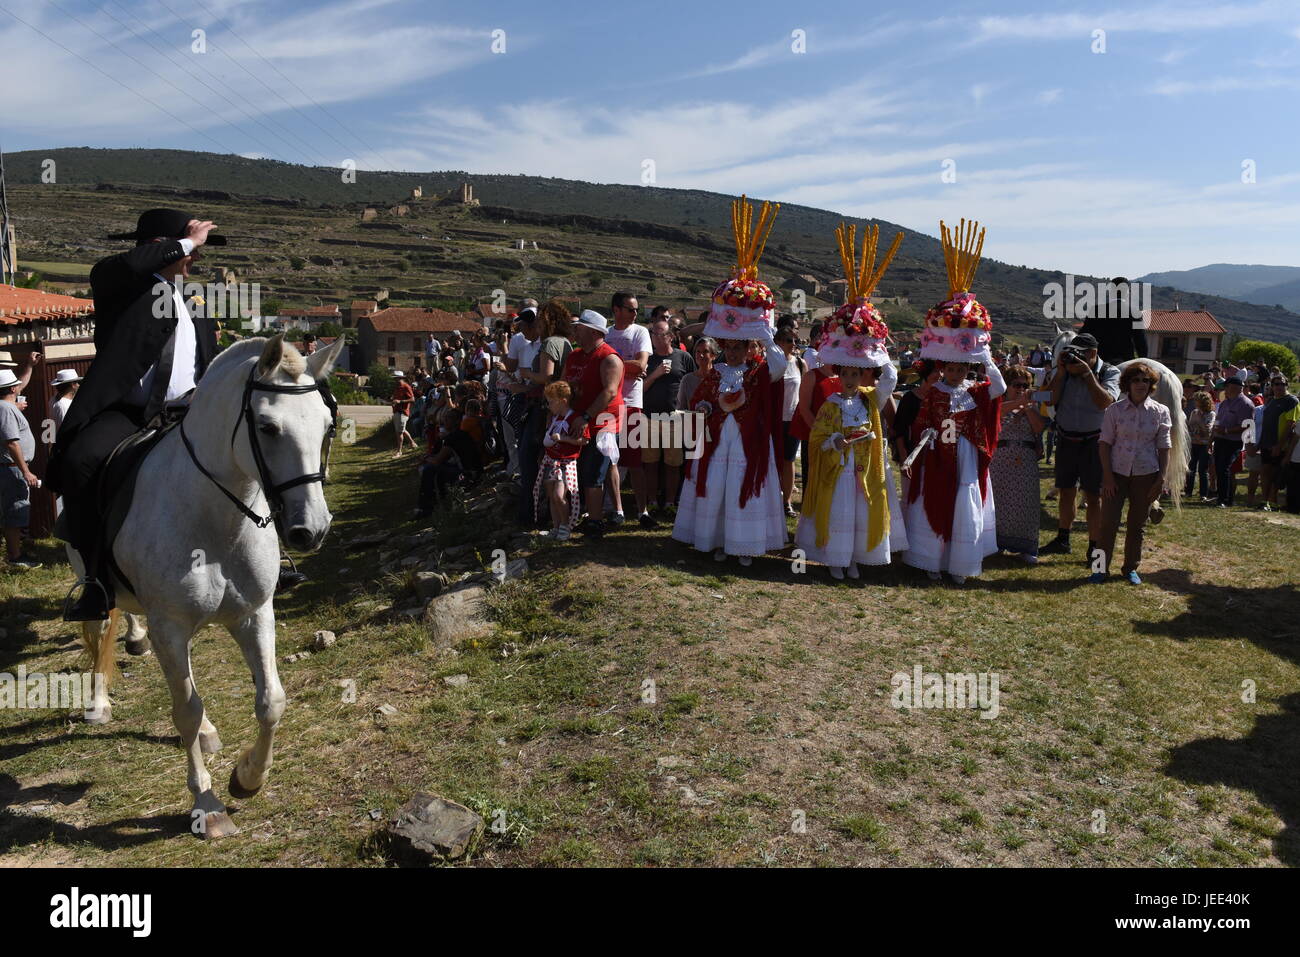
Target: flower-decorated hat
<point>960,329</point>
<point>742,306</point>
<point>855,335</point>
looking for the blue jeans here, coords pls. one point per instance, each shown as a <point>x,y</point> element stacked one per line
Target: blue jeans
<point>1199,465</point>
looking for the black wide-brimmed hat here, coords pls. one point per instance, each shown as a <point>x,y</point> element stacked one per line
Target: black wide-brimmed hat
<point>164,222</point>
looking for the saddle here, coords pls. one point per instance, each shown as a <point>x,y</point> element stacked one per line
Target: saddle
<point>115,486</point>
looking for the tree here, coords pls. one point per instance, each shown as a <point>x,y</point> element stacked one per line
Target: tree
<point>381,380</point>
<point>1251,350</point>
<point>329,330</point>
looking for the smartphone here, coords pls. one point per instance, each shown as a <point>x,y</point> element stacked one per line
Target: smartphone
<point>1044,396</point>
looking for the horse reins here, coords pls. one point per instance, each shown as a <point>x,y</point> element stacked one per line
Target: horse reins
<point>270,490</point>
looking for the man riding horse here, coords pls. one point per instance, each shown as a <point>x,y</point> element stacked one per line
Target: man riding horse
<point>149,353</point>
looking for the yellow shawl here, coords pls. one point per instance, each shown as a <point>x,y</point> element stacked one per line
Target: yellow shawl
<point>825,466</point>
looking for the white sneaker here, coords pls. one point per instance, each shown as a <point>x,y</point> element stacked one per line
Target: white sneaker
<point>837,573</point>
<point>719,555</point>
<point>853,570</point>
<point>746,560</point>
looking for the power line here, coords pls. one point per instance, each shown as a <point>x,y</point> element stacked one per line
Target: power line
<point>290,82</point>
<point>252,109</point>
<point>162,109</point>
<point>139,63</point>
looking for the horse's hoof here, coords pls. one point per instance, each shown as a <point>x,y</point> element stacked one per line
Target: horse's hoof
<point>99,716</point>
<point>138,648</point>
<point>217,826</point>
<point>237,790</point>
<point>209,742</point>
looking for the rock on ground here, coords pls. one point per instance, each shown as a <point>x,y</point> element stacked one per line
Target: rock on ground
<point>457,614</point>
<point>429,829</point>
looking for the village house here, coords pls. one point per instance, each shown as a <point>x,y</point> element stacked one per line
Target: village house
<point>398,336</point>
<point>62,329</point>
<point>356,309</point>
<point>1184,340</point>
<point>308,318</point>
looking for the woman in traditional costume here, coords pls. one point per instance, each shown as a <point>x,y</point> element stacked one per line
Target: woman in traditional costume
<point>951,522</point>
<point>850,505</point>
<point>731,500</point>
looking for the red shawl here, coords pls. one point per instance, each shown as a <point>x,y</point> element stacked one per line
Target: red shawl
<point>759,421</point>
<point>979,426</point>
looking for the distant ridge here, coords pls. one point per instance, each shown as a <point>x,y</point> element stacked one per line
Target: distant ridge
<point>696,222</point>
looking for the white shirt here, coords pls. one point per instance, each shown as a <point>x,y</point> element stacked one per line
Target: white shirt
<point>523,351</point>
<point>60,410</point>
<point>790,398</point>
<point>811,359</point>
<point>628,343</point>
<point>185,355</point>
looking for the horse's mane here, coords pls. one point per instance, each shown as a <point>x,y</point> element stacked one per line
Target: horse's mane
<point>293,363</point>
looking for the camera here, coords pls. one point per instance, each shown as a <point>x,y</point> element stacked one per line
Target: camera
<point>1074,354</point>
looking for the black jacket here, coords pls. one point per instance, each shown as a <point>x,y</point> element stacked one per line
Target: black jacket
<point>1117,339</point>
<point>129,338</point>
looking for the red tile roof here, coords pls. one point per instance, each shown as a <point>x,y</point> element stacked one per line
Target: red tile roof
<point>415,319</point>
<point>26,305</point>
<point>1183,320</point>
<point>309,310</point>
<point>366,304</point>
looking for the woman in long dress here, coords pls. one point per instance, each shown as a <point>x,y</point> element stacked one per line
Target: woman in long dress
<point>1014,469</point>
<point>846,520</point>
<point>731,500</point>
<point>951,521</point>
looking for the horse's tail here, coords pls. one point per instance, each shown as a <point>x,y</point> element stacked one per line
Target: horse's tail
<point>1170,394</point>
<point>98,637</point>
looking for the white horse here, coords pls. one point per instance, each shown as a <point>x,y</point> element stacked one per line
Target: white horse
<point>1168,393</point>
<point>198,544</point>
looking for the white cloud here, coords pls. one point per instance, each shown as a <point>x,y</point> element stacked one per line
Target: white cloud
<point>1047,97</point>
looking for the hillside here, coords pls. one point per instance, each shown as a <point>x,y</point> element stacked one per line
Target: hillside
<point>670,245</point>
<point>1263,285</point>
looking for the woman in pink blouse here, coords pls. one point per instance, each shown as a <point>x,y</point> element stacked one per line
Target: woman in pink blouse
<point>1134,446</point>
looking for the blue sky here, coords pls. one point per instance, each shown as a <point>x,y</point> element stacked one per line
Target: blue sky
<point>1123,161</point>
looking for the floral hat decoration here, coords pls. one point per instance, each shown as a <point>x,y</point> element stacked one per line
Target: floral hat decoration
<point>855,335</point>
<point>743,305</point>
<point>959,329</point>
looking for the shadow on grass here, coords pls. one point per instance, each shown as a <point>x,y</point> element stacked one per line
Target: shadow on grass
<point>1266,762</point>
<point>1263,615</point>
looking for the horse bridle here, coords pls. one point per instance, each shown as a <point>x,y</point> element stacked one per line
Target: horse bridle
<point>270,489</point>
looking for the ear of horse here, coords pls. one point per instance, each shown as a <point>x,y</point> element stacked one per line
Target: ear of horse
<point>321,362</point>
<point>271,355</point>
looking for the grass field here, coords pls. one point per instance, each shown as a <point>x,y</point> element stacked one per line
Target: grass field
<point>1122,738</point>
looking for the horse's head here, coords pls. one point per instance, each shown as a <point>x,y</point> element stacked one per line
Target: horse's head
<point>1063,337</point>
<point>291,429</point>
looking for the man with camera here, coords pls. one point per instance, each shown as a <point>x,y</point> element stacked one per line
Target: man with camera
<point>1082,387</point>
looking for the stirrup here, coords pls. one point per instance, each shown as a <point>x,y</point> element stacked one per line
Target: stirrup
<point>86,582</point>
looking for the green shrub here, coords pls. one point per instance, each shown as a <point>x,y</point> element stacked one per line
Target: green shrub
<point>1251,350</point>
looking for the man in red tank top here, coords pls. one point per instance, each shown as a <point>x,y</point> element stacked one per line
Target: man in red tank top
<point>595,374</point>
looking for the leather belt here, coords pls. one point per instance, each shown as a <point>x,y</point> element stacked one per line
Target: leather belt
<point>1076,436</point>
<point>1003,443</point>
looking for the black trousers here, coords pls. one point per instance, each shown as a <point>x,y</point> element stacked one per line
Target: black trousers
<point>528,436</point>
<point>79,468</point>
<point>1225,453</point>
<point>1292,487</point>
